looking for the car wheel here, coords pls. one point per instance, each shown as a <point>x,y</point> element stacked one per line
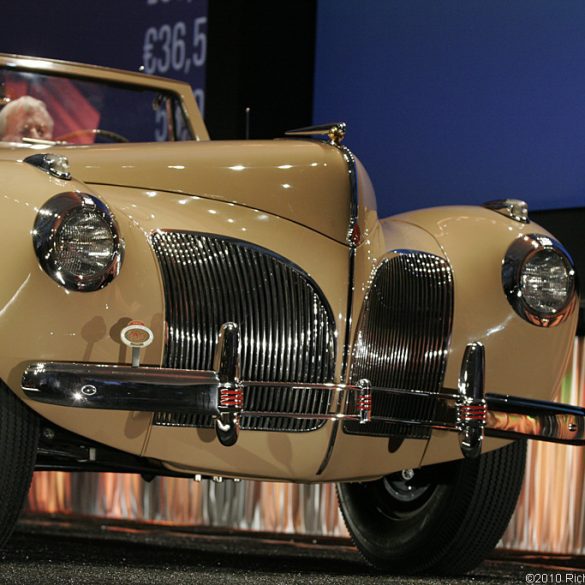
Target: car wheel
<point>442,519</point>
<point>19,436</point>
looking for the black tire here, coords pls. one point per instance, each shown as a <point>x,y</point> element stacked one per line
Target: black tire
<point>444,521</point>
<point>19,437</point>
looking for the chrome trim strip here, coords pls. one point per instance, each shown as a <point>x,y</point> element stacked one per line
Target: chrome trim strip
<point>515,209</point>
<point>438,425</point>
<point>353,239</point>
<point>49,220</point>
<point>514,417</point>
<point>115,387</point>
<point>353,231</point>
<point>334,131</point>
<point>520,251</point>
<point>341,388</point>
<point>506,417</point>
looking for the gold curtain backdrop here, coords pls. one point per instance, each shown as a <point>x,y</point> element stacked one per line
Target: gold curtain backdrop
<point>550,516</point>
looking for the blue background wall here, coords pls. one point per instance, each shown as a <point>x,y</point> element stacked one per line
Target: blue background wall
<point>458,101</point>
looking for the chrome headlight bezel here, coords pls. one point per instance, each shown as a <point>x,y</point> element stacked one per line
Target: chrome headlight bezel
<point>523,250</point>
<point>51,217</point>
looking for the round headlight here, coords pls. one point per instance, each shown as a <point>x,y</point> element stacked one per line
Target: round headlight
<point>77,241</point>
<point>539,279</point>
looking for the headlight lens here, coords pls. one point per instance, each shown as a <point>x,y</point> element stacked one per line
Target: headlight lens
<point>539,279</point>
<point>546,282</point>
<point>77,241</point>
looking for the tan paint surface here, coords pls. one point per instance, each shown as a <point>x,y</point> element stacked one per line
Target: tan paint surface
<point>283,195</point>
<point>360,456</point>
<point>301,180</point>
<point>257,454</point>
<point>533,358</point>
<point>41,321</point>
<point>304,181</point>
<point>71,326</point>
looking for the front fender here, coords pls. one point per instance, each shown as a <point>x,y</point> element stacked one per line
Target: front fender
<point>40,320</point>
<point>475,240</point>
<point>521,359</point>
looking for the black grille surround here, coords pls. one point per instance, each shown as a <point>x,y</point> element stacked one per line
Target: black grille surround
<point>287,327</point>
<point>402,340</point>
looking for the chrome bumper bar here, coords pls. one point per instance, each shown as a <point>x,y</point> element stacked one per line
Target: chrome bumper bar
<point>220,394</point>
<point>121,387</point>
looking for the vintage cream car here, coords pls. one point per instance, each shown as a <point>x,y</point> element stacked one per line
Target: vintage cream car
<point>172,305</point>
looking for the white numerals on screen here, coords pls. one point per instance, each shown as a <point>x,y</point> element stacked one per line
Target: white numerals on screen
<point>166,47</point>
<point>199,41</point>
<point>161,131</point>
<point>200,99</point>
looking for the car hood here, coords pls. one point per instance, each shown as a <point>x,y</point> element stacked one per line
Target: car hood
<point>305,181</point>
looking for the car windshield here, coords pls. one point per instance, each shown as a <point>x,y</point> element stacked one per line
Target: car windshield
<point>37,107</point>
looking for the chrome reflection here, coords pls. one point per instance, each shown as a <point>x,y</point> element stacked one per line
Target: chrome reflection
<point>335,132</point>
<point>471,405</point>
<point>51,221</point>
<point>521,252</point>
<point>402,339</point>
<point>510,416</point>
<point>515,209</point>
<point>115,387</point>
<point>287,330</point>
<point>208,393</point>
<point>53,164</point>
<point>226,362</point>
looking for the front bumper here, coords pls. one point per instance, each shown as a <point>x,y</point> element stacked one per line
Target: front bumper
<point>114,387</point>
<point>197,392</point>
<point>220,394</point>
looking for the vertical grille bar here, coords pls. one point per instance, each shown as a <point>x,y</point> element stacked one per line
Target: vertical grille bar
<point>287,328</point>
<point>402,339</point>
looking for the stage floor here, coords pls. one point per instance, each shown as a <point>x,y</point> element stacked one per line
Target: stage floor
<point>57,550</point>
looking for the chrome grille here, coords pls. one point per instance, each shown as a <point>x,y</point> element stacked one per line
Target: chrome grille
<point>402,339</point>
<point>287,329</point>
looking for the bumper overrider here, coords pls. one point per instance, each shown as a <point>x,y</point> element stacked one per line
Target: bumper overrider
<point>220,394</point>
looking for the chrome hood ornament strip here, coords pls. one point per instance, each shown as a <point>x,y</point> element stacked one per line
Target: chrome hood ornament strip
<point>335,131</point>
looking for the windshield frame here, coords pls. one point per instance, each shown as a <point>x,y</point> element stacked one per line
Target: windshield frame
<point>118,78</point>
